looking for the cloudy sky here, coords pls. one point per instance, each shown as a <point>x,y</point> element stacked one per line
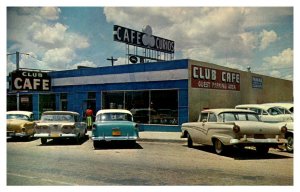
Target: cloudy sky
<point>59,38</point>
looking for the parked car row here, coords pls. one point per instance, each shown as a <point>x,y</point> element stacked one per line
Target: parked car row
<point>109,125</point>
<point>262,126</point>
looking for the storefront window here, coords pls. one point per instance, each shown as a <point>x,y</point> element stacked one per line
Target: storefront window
<point>137,102</point>
<point>47,102</point>
<point>25,102</point>
<point>147,107</point>
<point>113,100</point>
<point>165,106</point>
<point>64,101</point>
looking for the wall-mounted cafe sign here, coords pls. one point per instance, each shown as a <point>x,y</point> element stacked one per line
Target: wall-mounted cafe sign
<point>208,78</point>
<point>30,81</point>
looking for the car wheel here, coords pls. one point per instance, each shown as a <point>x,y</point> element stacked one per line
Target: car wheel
<point>189,141</point>
<point>262,149</point>
<point>43,141</point>
<point>290,144</point>
<point>96,144</point>
<point>219,146</point>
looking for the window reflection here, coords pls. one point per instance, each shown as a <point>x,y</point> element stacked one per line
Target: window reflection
<point>147,107</point>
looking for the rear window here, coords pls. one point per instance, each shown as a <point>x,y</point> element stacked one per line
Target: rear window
<point>114,117</point>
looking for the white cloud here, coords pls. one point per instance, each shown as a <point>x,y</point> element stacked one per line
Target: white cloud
<point>51,13</point>
<point>267,37</point>
<point>280,65</point>
<point>45,34</point>
<point>209,33</point>
<point>249,39</point>
<point>58,58</point>
<point>282,60</point>
<point>34,30</point>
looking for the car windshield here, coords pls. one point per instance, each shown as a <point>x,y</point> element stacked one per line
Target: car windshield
<point>17,116</point>
<point>114,117</point>
<point>58,117</point>
<point>237,116</point>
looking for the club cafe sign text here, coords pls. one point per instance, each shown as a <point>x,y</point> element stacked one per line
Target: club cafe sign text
<point>143,39</point>
<point>204,77</point>
<point>30,81</point>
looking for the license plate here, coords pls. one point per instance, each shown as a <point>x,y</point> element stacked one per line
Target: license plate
<point>54,135</point>
<point>116,133</point>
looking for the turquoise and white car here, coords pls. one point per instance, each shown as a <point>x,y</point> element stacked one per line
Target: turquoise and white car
<point>114,125</point>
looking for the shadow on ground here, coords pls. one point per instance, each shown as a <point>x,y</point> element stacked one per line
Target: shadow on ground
<point>244,154</point>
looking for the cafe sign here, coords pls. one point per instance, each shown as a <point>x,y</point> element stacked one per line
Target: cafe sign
<point>30,81</point>
<point>143,39</point>
<point>209,78</point>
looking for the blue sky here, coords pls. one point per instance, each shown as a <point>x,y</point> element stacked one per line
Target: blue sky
<point>60,38</point>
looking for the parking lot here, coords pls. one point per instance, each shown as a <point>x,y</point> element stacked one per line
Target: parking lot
<point>149,162</point>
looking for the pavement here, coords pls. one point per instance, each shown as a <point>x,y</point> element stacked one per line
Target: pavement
<point>155,136</point>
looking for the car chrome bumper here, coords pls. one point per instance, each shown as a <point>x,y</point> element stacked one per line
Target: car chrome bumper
<point>114,138</point>
<point>253,141</point>
<point>58,135</point>
<point>11,134</point>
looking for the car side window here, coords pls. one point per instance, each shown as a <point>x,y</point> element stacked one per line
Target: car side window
<point>258,111</point>
<point>31,118</point>
<point>212,117</point>
<point>203,117</point>
<point>265,112</point>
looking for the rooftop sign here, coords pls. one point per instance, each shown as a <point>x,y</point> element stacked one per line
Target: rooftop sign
<point>143,39</point>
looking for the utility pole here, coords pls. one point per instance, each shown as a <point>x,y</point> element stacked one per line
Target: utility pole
<point>112,60</point>
<point>17,68</point>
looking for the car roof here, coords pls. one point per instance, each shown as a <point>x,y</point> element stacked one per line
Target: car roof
<point>60,112</point>
<point>113,111</point>
<point>285,105</point>
<point>258,106</point>
<point>27,113</point>
<point>221,110</point>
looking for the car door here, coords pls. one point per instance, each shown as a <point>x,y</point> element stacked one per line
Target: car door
<point>207,127</point>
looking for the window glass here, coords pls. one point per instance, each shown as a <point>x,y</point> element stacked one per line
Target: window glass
<point>274,111</point>
<point>147,107</point>
<point>258,111</point>
<point>58,117</point>
<point>229,117</point>
<point>17,116</point>
<point>212,117</point>
<point>252,117</point>
<point>164,106</point>
<point>114,117</point>
<point>113,100</point>
<point>242,116</point>
<point>203,117</point>
<point>47,102</point>
<point>63,101</point>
